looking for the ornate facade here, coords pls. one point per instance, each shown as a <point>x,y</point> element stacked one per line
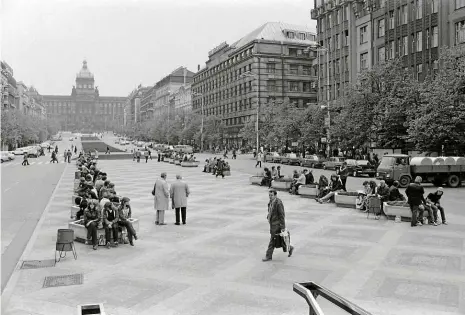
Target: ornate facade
<point>85,110</point>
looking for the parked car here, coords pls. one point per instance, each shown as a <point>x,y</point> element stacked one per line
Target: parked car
<point>33,151</point>
<point>5,157</point>
<point>45,145</point>
<point>333,163</point>
<point>362,167</point>
<point>20,151</point>
<point>273,157</point>
<point>313,161</point>
<point>11,155</point>
<point>291,159</point>
<point>71,139</point>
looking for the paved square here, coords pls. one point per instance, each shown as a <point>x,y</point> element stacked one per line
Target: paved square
<point>213,264</point>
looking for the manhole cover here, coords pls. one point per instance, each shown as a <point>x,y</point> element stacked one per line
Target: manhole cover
<point>60,281</point>
<point>35,264</point>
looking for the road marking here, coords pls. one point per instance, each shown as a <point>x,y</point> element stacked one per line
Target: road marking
<point>11,186</point>
<point>38,163</point>
<point>32,163</point>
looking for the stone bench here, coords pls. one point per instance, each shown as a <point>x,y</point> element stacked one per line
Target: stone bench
<point>74,210</point>
<point>392,211</point>
<point>190,163</point>
<point>171,161</point>
<point>256,179</point>
<point>80,232</point>
<point>308,191</point>
<point>77,174</point>
<point>177,162</point>
<point>281,185</point>
<point>346,201</point>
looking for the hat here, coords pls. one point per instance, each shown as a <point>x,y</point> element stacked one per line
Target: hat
<point>440,189</point>
<point>125,199</point>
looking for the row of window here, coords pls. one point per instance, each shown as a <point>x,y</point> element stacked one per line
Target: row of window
<point>293,86</point>
<point>85,86</point>
<point>67,110</point>
<point>335,67</point>
<point>233,107</point>
<point>67,104</point>
<point>224,65</point>
<point>300,35</point>
<point>237,120</point>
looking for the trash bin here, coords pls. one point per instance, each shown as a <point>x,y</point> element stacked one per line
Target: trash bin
<point>65,243</point>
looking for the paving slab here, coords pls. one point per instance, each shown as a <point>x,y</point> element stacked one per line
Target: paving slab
<point>213,264</point>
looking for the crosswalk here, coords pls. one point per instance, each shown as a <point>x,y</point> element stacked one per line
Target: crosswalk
<point>31,163</point>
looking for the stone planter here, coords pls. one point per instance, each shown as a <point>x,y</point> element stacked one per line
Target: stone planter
<point>309,191</point>
<point>77,174</point>
<point>166,160</point>
<point>80,231</point>
<point>177,162</point>
<point>227,173</point>
<point>190,163</point>
<point>345,201</point>
<point>171,161</point>
<point>394,211</point>
<point>256,179</point>
<point>281,185</point>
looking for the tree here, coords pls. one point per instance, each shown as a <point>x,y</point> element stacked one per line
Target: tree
<point>439,117</point>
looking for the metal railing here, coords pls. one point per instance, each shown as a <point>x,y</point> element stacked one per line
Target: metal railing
<point>310,291</point>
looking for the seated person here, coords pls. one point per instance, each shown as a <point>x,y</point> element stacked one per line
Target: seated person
<point>185,158</point>
<point>124,213</point>
<point>103,189</point>
<point>92,219</point>
<point>322,186</point>
<point>335,185</point>
<point>82,207</point>
<point>274,173</point>
<point>105,198</point>
<point>383,191</point>
<point>226,166</point>
<point>300,181</point>
<point>266,180</point>
<point>394,194</point>
<point>309,179</point>
<point>110,223</point>
<point>434,200</point>
<point>278,169</point>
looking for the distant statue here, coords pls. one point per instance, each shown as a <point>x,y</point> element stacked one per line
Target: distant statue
<point>96,91</point>
<point>73,91</point>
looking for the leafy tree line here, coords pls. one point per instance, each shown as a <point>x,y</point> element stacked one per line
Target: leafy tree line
<point>19,129</point>
<point>390,107</point>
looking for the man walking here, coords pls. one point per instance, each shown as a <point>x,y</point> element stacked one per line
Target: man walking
<point>75,150</point>
<point>259,159</point>
<point>138,156</point>
<point>69,154</point>
<point>108,150</point>
<point>416,200</point>
<point>25,159</point>
<point>343,173</point>
<point>179,191</point>
<point>146,155</point>
<point>54,157</point>
<point>161,195</point>
<point>276,219</point>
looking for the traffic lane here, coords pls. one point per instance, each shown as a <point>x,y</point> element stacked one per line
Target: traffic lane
<point>25,194</point>
<point>452,201</point>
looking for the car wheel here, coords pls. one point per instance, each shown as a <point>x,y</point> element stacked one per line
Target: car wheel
<point>453,181</point>
<point>404,181</point>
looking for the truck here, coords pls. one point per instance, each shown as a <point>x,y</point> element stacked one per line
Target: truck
<point>397,167</point>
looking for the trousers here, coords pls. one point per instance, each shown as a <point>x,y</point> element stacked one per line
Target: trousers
<point>160,217</point>
<point>274,230</point>
<point>92,232</point>
<point>128,225</point>
<point>114,228</point>
<point>183,214</point>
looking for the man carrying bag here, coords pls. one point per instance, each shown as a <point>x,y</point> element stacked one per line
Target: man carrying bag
<point>276,219</point>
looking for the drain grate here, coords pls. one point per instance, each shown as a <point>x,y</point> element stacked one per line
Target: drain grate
<point>60,281</point>
<point>36,264</point>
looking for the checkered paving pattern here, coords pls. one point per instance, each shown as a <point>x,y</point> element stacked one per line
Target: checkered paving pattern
<point>213,264</point>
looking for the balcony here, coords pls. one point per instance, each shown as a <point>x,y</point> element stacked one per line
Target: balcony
<point>313,14</point>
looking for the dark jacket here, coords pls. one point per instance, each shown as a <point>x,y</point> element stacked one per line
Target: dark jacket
<point>335,185</point>
<point>415,194</point>
<point>344,172</point>
<point>394,194</point>
<point>383,192</point>
<point>110,216</point>
<point>90,215</point>
<point>276,216</point>
<point>309,179</point>
<point>434,197</point>
<point>124,213</point>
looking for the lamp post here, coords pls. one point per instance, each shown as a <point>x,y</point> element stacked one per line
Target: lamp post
<point>251,74</point>
<point>201,125</point>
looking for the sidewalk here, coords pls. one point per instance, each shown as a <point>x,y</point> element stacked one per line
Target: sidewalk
<point>213,264</point>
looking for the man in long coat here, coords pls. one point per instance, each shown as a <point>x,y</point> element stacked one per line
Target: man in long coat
<point>276,219</point>
<point>161,195</point>
<point>179,192</point>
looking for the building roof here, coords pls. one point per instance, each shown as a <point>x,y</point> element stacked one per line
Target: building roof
<point>275,31</point>
<point>85,73</point>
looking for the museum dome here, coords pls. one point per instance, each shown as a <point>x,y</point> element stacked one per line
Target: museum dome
<point>85,73</point>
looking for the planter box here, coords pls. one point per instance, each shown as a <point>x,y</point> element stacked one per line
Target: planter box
<point>80,231</point>
<point>256,179</point>
<point>77,174</point>
<point>190,163</point>
<point>308,191</point>
<point>171,161</point>
<point>227,173</point>
<point>281,185</point>
<point>393,211</point>
<point>345,201</point>
<point>74,210</point>
<point>177,162</point>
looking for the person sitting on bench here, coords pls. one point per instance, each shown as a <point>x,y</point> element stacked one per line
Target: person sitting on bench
<point>335,185</point>
<point>124,212</point>
<point>110,223</point>
<point>92,219</point>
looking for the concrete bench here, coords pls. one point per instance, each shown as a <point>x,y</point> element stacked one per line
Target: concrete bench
<point>346,201</point>
<point>227,173</point>
<point>308,191</point>
<point>74,210</point>
<point>281,185</point>
<point>80,232</point>
<point>392,211</point>
<point>177,162</point>
<point>171,161</point>
<point>190,163</point>
<point>256,179</point>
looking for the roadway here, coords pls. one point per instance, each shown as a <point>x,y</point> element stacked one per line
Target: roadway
<point>26,191</point>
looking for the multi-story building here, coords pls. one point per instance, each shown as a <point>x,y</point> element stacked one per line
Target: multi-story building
<point>136,104</point>
<point>183,99</point>
<point>85,110</point>
<point>273,62</point>
<point>355,35</point>
<point>10,97</point>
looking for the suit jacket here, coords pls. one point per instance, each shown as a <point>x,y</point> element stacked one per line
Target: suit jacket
<point>415,194</point>
<point>276,216</point>
<point>179,191</point>
<point>161,200</point>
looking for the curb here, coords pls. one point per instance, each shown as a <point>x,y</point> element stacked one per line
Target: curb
<point>11,284</point>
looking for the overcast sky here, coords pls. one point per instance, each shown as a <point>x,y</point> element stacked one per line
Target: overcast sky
<point>126,42</point>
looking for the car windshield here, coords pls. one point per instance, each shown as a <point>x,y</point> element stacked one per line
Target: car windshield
<point>387,161</point>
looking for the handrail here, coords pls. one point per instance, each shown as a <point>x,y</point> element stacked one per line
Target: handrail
<point>310,291</point>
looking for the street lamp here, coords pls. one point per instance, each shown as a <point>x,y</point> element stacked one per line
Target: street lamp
<point>251,74</point>
<point>201,126</point>
<point>319,49</point>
